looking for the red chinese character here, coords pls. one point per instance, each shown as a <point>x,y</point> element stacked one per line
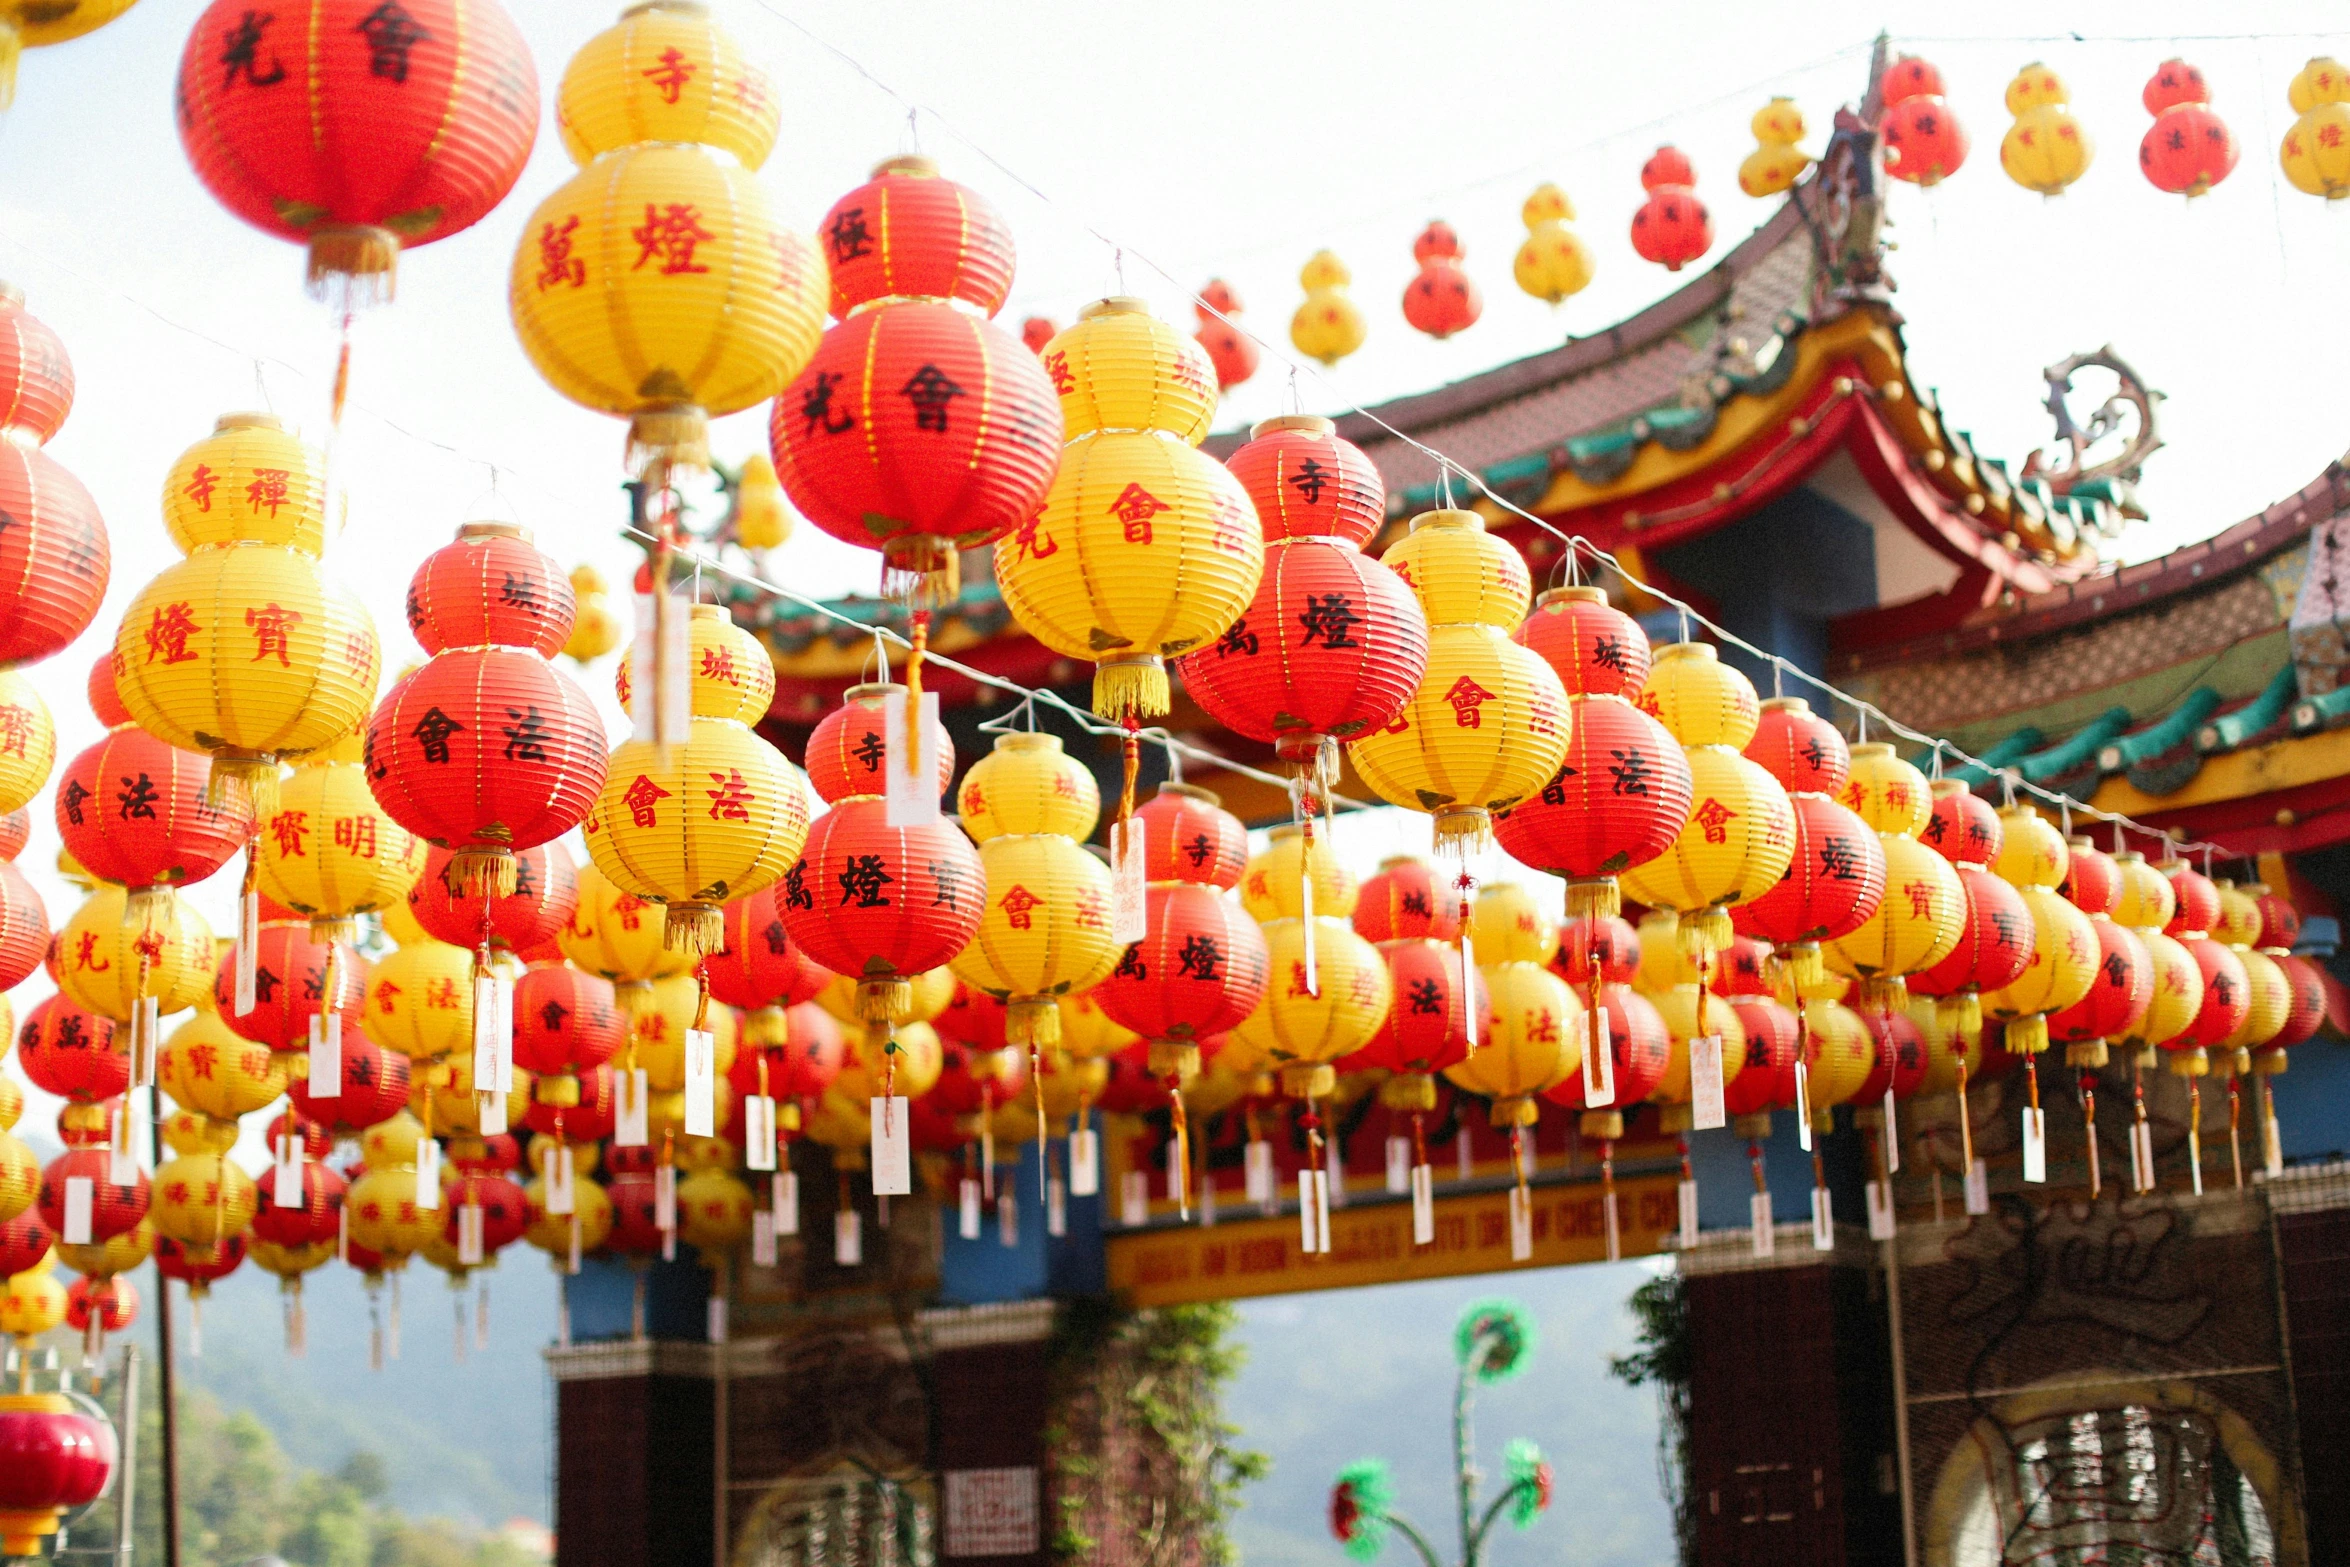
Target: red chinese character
<point>1135,507</point>
<point>670,73</point>
<point>1921,899</point>
<point>16,729</point>
<point>441,994</point>
<point>267,492</point>
<point>731,801</point>
<point>1233,526</point>
<point>359,654</point>
<point>199,487</point>
<point>1467,697</point>
<point>1897,797</point>
<point>168,633</point>
<point>271,627</point>
<point>85,949</point>
<point>201,1060</point>
<point>671,231</point>
<point>1017,906</point>
<point>1029,544</point>
<point>629,907</point>
<point>557,265</point>
<point>288,828</point>
<point>1715,818</point>
<point>357,834</point>
<point>1056,365</point>
<point>718,664</point>
<point>1297,979</point>
<point>750,88</point>
<point>1090,911</point>
<point>385,994</point>
<point>641,802</point>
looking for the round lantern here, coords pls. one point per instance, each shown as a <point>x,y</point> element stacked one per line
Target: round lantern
<point>2188,149</point>
<point>1428,1023</point>
<point>110,958</point>
<point>1328,326</point>
<point>1739,837</point>
<point>1044,930</point>
<point>1922,916</point>
<point>879,904</point>
<point>419,1000</point>
<point>28,738</point>
<point>1230,349</point>
<point>203,1201</point>
<point>1672,227</point>
<point>1640,1047</point>
<point>1200,969</point>
<point>2119,994</point>
<point>251,480</point>
<point>133,810</point>
<point>1307,1021</point>
<point>1553,262</point>
<point>699,87</point>
<point>1834,881</point>
<point>115,1208</point>
<point>620,936</point>
<point>54,559</point>
<point>1275,884</point>
<point>316,1217</point>
<point>329,850</point>
<point>2316,149</point>
<point>848,746</point>
<point>758,971</point>
<point>207,1068</point>
<point>296,978</point>
<point>1306,480</point>
<point>2062,968</point>
<point>1618,801</point>
<point>55,1457</point>
<point>1028,784</point>
<point>24,927</point>
<point>1924,143</point>
<point>2045,150</point>
<point>1189,836</point>
<point>373,1089</point>
<point>1443,298</point>
<point>544,900</point>
<point>68,1050</point>
<point>1529,1043</point>
<point>1407,899</point>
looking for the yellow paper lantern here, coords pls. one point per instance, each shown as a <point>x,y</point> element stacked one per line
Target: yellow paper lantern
<point>932,990</point>
<point>1699,699</point>
<point>30,24</point>
<point>391,1142</point>
<point>331,852</point>
<point>289,1263</point>
<point>1529,1042</point>
<point>441,1093</point>
<point>1689,1011</point>
<point>1028,784</point>
<point>1045,932</point>
<point>109,958</point>
<point>192,1131</point>
<point>590,1217</point>
<point>732,676</point>
<point>1272,884</point>
<point>1944,1049</point>
<point>31,1303</point>
<point>1886,792</point>
<point>1843,1054</point>
<point>1308,1020</point>
<point>713,1212</point>
<point>208,1068</point>
<point>2032,853</point>
<point>1145,549</point>
<point>1776,162</point>
<point>2178,995</point>
<point>20,1177</point>
<point>109,1258</point>
<point>1917,925</point>
<point>911,1070</point>
<point>2271,1002</point>
<point>1553,262</point>
<point>620,936</point>
<point>762,518</point>
<point>202,1200</point>
<point>2063,967</point>
<point>666,72</point>
<point>28,740</point>
<point>595,624</point>
<point>1664,962</point>
<point>250,480</point>
<point>1734,847</point>
<point>1122,368</point>
<point>419,1001</point>
<point>1088,1033</point>
<point>1329,325</point>
<point>380,1213</point>
<point>2238,924</point>
<point>1506,925</point>
<point>659,1037</point>
<point>2046,149</point>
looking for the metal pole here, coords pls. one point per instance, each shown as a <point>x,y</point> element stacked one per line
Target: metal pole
<point>1909,1530</point>
<point>721,1461</point>
<point>127,1424</point>
<point>163,1368</point>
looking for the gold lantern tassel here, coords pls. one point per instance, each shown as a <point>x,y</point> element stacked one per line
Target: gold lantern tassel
<point>922,570</point>
<point>2089,1126</point>
<point>884,1000</point>
<point>243,776</point>
<point>698,928</point>
<point>482,872</point>
<point>352,265</point>
<point>1132,688</point>
<point>666,436</point>
<point>921,647</point>
<point>1966,1120</point>
<point>1805,966</point>
<point>1179,1167</point>
<point>2235,1123</point>
<point>1593,897</point>
<point>2195,1131</point>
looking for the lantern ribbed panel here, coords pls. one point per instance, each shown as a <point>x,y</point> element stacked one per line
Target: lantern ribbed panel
<point>2144,899</point>
<point>419,1000</point>
<point>1699,699</point>
<point>36,374</point>
<point>973,1021</point>
<point>714,819</point>
<point>545,897</point>
<point>1528,1041</point>
<point>382,1215</point>
<point>1306,1025</point>
<point>1994,941</point>
<point>491,586</point>
<point>131,809</point>
<point>2307,991</point>
<point>2195,899</point>
<point>658,1034</point>
<point>98,954</point>
<point>626,324</point>
<point>2280,922</point>
<point>24,927</point>
<point>1897,1060</point>
<point>28,740</point>
<point>2032,852</point>
<point>1834,880</point>
<point>1201,968</point>
<point>758,966</point>
<point>2227,995</point>
<point>1028,784</point>
<point>2091,878</point>
<point>1120,368</point>
<point>1306,481</point>
<point>908,233</point>
<point>1144,547</point>
<point>114,1209</point>
<point>68,1050</point>
<point>846,749</point>
<point>1333,644</point>
<point>1736,844</point>
<point>330,850</point>
<point>2238,924</point>
<point>416,119</point>
<point>250,480</point>
<point>1887,792</point>
<point>1506,925</point>
<point>1486,727</point>
<point>1843,1054</point>
<point>1189,836</point>
<point>1638,1041</point>
<point>488,748</point>
<point>1406,899</point>
<point>289,989</point>
<point>666,73</point>
<point>2063,964</point>
<point>1743,969</point>
<point>1618,800</point>
<point>840,911</point>
<point>311,1222</point>
<point>2119,994</point>
<point>1460,573</point>
<point>1046,926</point>
<point>565,1021</point>
<point>1672,227</point>
<point>20,1182</point>
<point>1918,923</point>
<point>730,673</point>
<point>1427,1025</point>
<point>1962,828</point>
<point>1761,1077</point>
<point>54,558</point>
<point>1272,884</point>
<point>246,649</point>
<point>1799,748</point>
<point>16,827</point>
<point>1594,648</point>
<point>2269,1002</point>
<point>2178,992</point>
<point>917,419</point>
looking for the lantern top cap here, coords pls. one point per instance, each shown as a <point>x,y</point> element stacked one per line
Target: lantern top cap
<point>1312,424</point>
<point>708,612</point>
<point>1393,860</point>
<point>912,164</point>
<point>1785,704</point>
<point>1115,305</point>
<point>1027,740</point>
<point>1192,792</point>
<point>1284,832</point>
<point>247,421</point>
<point>1449,517</point>
<point>1703,652</point>
<point>1945,788</point>
<point>2079,841</point>
<point>2129,857</point>
<point>1873,748</point>
<point>493,528</point>
<point>1579,593</point>
<point>872,693</point>
<point>682,7</point>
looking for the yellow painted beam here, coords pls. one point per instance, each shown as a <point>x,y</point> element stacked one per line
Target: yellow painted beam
<point>2282,764</point>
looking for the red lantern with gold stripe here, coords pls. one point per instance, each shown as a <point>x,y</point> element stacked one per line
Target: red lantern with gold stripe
<point>36,377</point>
<point>1597,949</point>
<point>1594,648</point>
<point>1427,1027</point>
<point>1330,649</point>
<point>881,904</point>
<point>1764,1078</point>
<point>910,233</point>
<point>67,1051</point>
<point>1618,801</point>
<point>2195,899</point>
<point>317,1217</point>
<point>1963,828</point>
<point>1199,971</point>
<point>1641,1047</point>
<point>1994,948</point>
<point>590,1120</point>
<point>358,127</point>
<point>802,1067</point>
<point>1899,1062</point>
<point>1835,880</point>
<point>2120,994</point>
<point>115,1208</point>
<point>1189,836</point>
<point>565,1021</point>
<point>1800,748</point>
<point>493,587</point>
<point>2308,1012</point>
<point>24,927</point>
<point>2091,878</point>
<point>759,971</point>
<point>373,1089</point>
<point>1407,899</point>
<point>545,896</point>
<point>848,746</point>
<point>290,986</point>
<point>133,810</point>
<point>54,558</point>
<point>1308,481</point>
<point>198,1267</point>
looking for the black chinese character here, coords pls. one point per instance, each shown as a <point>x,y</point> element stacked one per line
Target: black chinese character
<point>519,593</point>
<point>777,942</point>
<point>868,750</point>
<point>1631,772</point>
<point>432,731</point>
<point>795,887</point>
<point>1199,958</point>
<point>1130,964</point>
<point>137,798</point>
<point>1237,638</point>
<point>1839,860</point>
<point>945,885</point>
<point>551,1016</point>
<point>1608,653</point>
<point>861,882</point>
<point>1196,851</point>
<point>1310,478</point>
<point>816,407</point>
<point>929,390</point>
<point>71,797</point>
<point>1426,999</point>
<point>240,53</point>
<point>848,237</point>
<point>526,737</point>
<point>390,33</point>
<point>1329,616</point>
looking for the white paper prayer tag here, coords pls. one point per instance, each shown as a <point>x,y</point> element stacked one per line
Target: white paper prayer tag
<point>1521,1224</point>
<point>491,1108</point>
<point>1880,1202</point>
<point>1688,1213</point>
<point>1305,894</point>
<point>672,700</point>
<point>1472,1014</point>
<point>715,1322</point>
<point>1257,1171</point>
<point>1615,1226</point>
<point>469,1235</point>
<point>783,1196</point>
<point>248,951</point>
<point>630,1110</point>
<point>701,1083</point>
<point>1085,1163</point>
<point>150,1038</point>
<point>1129,882</point>
<point>1007,1218</point>
<point>1705,1083</point>
<point>848,1238</point>
<point>640,671</point>
<point>122,1169</point>
<point>968,1209</point>
<point>1464,1156</point>
<point>428,1174</point>
<point>2195,1160</point>
<point>1823,1219</point>
<point>910,794</point>
<point>1978,1187</point>
<point>762,1237</point>
<point>1134,1199</point>
<point>1306,1212</point>
<point>1599,1065</point>
<point>1423,1206</point>
<point>893,1147</point>
<point>1334,1173</point>
<point>1399,1165</point>
<point>562,1191</point>
<point>2035,1144</point>
<point>1056,1207</point>
<point>81,1195</point>
<point>571,1265</point>
<point>2141,1157</point>
<point>503,1033</point>
<point>1321,1212</point>
<point>287,1167</point>
<point>1802,1105</point>
<point>326,1057</point>
<point>485,1031</point>
<point>665,1197</point>
<point>759,1132</point>
<point>1758,1223</point>
<point>1892,1136</point>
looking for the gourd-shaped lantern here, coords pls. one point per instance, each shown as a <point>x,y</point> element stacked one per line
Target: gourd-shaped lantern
<point>2045,150</point>
<point>1553,262</point>
<point>657,285</point>
<point>2063,966</point>
<point>1230,349</point>
<point>1443,298</point>
<point>358,128</point>
<point>595,624</point>
<point>135,969</point>
<point>1836,872</point>
<point>920,427</point>
<point>1776,162</point>
<point>1532,1041</point>
<point>699,824</point>
<point>2316,149</point>
<point>1333,644</point>
<point>246,650</point>
<point>2188,149</point>
<point>202,1200</point>
<point>1672,227</point>
<point>1923,913</point>
<point>1329,325</point>
<point>2226,996</point>
<point>54,562</point>
<point>1488,721</point>
<point>1146,548</point>
<point>1995,931</point>
<point>1924,143</point>
<point>330,850</point>
<point>2118,994</point>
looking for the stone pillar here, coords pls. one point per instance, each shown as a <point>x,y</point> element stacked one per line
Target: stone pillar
<point>633,1454</point>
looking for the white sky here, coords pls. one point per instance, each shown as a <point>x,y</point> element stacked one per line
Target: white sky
<point>1215,139</point>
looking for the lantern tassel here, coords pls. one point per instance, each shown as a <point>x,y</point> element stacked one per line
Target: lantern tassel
<point>1133,687</point>
<point>698,928</point>
<point>884,1000</point>
<point>480,872</point>
<point>352,266</point>
<point>1595,897</point>
<point>670,435</point>
<point>243,777</point>
<point>921,570</point>
<point>1966,1124</point>
<point>2089,1125</point>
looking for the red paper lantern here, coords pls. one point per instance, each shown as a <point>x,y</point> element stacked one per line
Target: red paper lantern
<point>104,696</point>
<point>1199,970</point>
<point>1764,1078</point>
<point>2280,922</point>
<point>1924,143</point>
<point>2119,994</point>
<point>1307,481</point>
<point>1594,648</point>
<point>2174,82</point>
<point>53,1459</point>
<point>917,429</point>
<point>1799,748</point>
<point>1639,1043</point>
<point>289,1123</point>
<point>356,126</point>
<point>848,749</point>
<point>908,232</point>
<point>1910,77</point>
<point>492,588</point>
<point>1743,968</point>
<point>289,986</point>
<point>24,927</point>
<point>1443,298</point>
<point>2091,879</point>
<point>2195,899</point>
<point>1407,899</point>
<point>317,1217</point>
<point>24,1241</point>
<point>635,1232</point>
<point>36,376</point>
<point>16,830</point>
<point>1037,331</point>
<point>1672,227</point>
<point>505,1210</point>
<point>198,1267</point>
<point>374,1088</point>
<point>882,903</point>
<point>2187,150</point>
<point>973,1019</point>
<point>1900,1062</point>
<point>66,1051</point>
<point>1963,828</point>
<point>1187,835</point>
<point>1994,944</point>
<point>111,1299</point>
<point>975,1080</point>
<point>1330,649</point>
<point>801,1068</point>
<point>565,1022</point>
<point>1617,801</point>
<point>590,1120</point>
<point>132,810</point>
<point>2308,1012</point>
<point>758,969</point>
<point>54,558</point>
<point>1233,352</point>
<point>545,896</point>
<point>1835,879</point>
<point>1427,1027</point>
<point>1667,166</point>
<point>1597,950</point>
<point>114,1209</point>
<point>2227,995</point>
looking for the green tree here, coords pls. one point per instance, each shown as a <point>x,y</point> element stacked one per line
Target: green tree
<point>1662,1362</point>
